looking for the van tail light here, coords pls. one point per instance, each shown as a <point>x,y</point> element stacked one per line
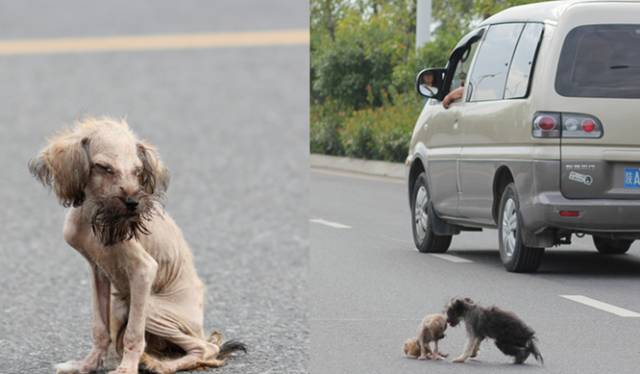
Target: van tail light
<point>546,125</point>
<point>580,126</point>
<point>566,125</point>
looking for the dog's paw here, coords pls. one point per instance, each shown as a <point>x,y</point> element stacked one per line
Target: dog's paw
<point>69,367</point>
<point>76,367</point>
<point>216,338</point>
<point>124,370</point>
<point>459,360</point>
<point>443,354</point>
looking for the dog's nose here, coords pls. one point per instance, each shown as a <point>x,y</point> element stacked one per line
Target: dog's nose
<point>131,203</point>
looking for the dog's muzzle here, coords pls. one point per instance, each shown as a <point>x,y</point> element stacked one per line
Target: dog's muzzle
<point>131,204</point>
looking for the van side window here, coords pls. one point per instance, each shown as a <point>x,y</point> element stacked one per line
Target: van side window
<point>522,63</point>
<point>462,69</point>
<point>489,73</point>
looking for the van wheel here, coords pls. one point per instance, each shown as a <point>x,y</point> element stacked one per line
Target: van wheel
<point>425,239</point>
<point>515,256</point>
<point>608,246</point>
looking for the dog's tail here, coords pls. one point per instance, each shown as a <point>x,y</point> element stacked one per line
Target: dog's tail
<point>229,347</point>
<point>533,349</point>
<point>226,348</point>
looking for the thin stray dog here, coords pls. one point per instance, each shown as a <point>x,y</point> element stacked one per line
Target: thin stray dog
<point>431,329</point>
<point>147,297</point>
<point>512,336</point>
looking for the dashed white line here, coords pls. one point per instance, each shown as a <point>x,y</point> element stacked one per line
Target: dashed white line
<point>601,305</point>
<point>450,258</point>
<point>335,225</point>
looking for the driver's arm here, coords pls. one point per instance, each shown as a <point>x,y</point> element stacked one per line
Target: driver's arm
<point>452,96</point>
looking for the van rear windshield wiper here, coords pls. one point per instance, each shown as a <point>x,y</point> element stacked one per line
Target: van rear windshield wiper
<point>622,67</point>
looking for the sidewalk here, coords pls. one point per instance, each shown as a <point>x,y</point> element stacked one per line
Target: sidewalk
<point>394,170</point>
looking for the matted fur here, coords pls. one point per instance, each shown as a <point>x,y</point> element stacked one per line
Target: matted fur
<point>111,223</point>
<point>512,336</point>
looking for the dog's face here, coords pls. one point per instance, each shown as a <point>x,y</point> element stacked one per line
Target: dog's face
<point>411,348</point>
<point>456,310</point>
<point>102,166</point>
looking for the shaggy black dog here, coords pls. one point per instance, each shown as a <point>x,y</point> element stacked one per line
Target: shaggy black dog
<point>512,336</point>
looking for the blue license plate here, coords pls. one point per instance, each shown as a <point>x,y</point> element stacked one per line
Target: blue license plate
<point>631,177</point>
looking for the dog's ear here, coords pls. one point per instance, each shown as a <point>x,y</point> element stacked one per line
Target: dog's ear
<point>64,166</point>
<point>459,305</point>
<point>155,176</point>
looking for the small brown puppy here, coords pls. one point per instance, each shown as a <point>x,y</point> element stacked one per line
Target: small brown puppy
<point>431,329</point>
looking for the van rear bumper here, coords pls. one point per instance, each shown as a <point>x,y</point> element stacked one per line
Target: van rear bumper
<point>594,215</point>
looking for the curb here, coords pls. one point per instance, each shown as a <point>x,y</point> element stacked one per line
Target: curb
<point>387,169</point>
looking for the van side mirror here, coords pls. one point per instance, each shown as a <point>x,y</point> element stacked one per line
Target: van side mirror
<point>429,82</point>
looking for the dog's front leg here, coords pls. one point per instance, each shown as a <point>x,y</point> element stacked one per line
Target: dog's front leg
<point>468,350</point>
<point>141,269</point>
<point>439,355</point>
<point>476,348</point>
<point>100,327</point>
<point>425,351</point>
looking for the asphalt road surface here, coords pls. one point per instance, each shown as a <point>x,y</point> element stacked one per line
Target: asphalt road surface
<point>231,125</point>
<point>370,288</point>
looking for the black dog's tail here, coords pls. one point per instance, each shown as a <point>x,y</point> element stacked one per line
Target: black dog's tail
<point>533,349</point>
<point>229,347</point>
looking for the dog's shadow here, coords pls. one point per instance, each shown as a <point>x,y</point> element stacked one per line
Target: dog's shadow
<point>493,366</point>
<point>567,262</point>
<point>500,366</point>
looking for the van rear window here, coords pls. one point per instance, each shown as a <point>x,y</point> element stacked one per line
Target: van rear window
<point>600,61</point>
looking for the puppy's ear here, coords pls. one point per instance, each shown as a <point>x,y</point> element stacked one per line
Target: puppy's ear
<point>64,166</point>
<point>155,176</point>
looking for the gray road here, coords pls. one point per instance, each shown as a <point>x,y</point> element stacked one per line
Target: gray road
<point>230,123</point>
<point>371,287</point>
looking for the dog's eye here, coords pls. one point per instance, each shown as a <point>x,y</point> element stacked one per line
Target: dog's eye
<point>104,168</point>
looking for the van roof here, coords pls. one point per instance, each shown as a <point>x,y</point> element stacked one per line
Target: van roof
<point>548,12</point>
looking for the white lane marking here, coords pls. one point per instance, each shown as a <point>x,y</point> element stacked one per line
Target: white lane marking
<point>335,225</point>
<point>451,258</point>
<point>601,305</point>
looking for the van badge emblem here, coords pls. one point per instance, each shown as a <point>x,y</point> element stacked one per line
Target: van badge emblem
<point>581,178</point>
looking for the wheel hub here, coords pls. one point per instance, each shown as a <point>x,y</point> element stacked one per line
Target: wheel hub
<point>509,227</point>
<point>420,213</point>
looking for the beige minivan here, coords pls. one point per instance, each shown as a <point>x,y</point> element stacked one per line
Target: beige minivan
<point>545,142</point>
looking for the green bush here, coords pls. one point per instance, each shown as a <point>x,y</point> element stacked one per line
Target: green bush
<point>354,62</point>
<point>325,123</point>
<point>382,133</point>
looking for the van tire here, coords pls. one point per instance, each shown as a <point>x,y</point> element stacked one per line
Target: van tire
<point>515,256</point>
<point>424,238</point>
<point>607,246</point>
